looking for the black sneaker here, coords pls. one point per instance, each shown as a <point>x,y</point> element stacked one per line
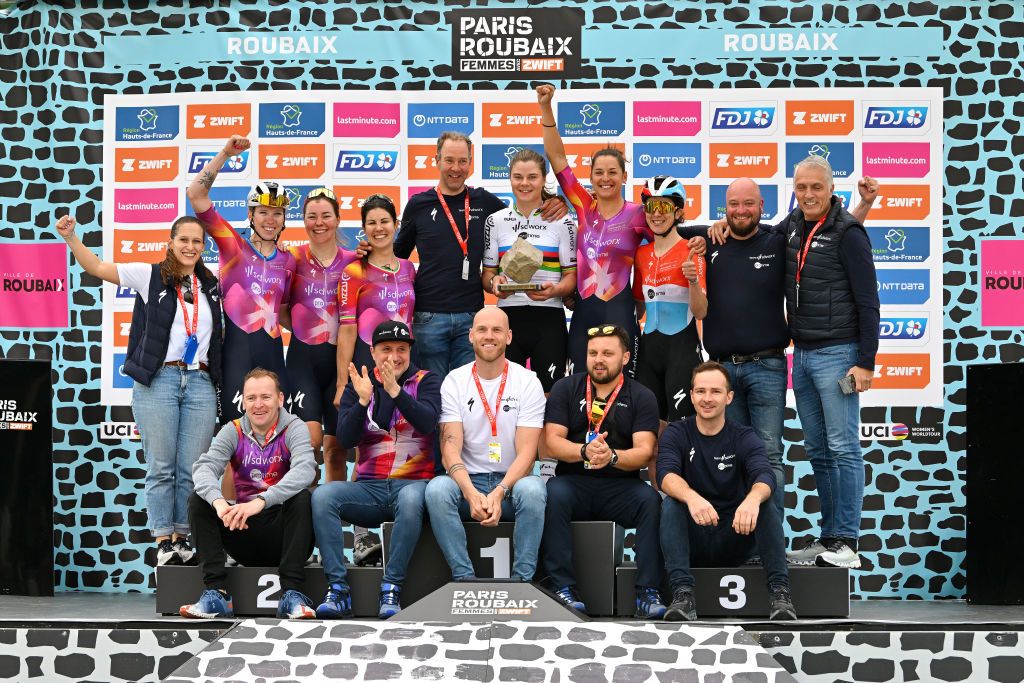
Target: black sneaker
<point>186,553</point>
<point>780,604</point>
<point>166,555</point>
<point>683,607</point>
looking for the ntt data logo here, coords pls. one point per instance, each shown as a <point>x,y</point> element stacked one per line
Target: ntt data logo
<point>908,286</point>
<point>743,118</point>
<point>430,120</point>
<point>677,159</point>
<point>888,118</point>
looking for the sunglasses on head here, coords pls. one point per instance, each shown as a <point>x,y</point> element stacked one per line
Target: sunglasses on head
<point>659,205</point>
<point>601,330</point>
<point>321,192</point>
<point>380,198</point>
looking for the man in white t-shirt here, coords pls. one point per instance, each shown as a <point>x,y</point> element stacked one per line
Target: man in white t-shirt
<point>492,413</point>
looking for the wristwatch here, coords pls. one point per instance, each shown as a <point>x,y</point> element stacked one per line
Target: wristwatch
<point>508,491</point>
<point>260,496</point>
<point>615,459</point>
<point>583,453</point>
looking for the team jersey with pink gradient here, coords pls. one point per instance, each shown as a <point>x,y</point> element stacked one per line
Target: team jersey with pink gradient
<point>368,296</point>
<point>606,247</point>
<point>396,450</point>
<point>253,286</point>
<point>314,295</point>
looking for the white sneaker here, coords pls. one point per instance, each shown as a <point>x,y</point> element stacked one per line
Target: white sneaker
<point>838,554</point>
<point>166,555</point>
<point>806,556</point>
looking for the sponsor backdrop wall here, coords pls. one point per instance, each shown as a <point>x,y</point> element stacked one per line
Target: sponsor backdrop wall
<point>68,89</point>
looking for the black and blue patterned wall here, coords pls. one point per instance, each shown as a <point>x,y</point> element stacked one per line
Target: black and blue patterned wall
<point>54,75</point>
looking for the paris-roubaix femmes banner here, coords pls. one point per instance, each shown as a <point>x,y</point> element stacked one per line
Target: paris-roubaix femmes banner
<point>362,143</point>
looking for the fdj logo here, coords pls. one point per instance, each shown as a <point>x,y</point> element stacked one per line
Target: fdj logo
<point>902,328</point>
<point>738,118</point>
<point>235,164</point>
<point>366,160</point>
<point>896,117</point>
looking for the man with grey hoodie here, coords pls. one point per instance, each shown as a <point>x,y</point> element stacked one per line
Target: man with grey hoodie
<point>270,523</point>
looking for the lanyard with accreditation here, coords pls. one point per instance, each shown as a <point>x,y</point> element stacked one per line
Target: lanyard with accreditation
<point>463,242</point>
<point>594,422</point>
<point>802,255</point>
<point>188,355</point>
<point>494,447</point>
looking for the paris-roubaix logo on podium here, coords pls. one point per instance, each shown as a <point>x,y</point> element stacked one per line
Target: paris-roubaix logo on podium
<point>513,44</point>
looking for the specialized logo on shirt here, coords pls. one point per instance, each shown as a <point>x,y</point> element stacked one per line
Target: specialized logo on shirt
<point>679,396</point>
<point>470,403</point>
<point>296,399</point>
<point>692,453</point>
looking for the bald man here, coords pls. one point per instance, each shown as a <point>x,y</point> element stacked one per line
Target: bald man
<point>492,413</point>
<point>745,329</point>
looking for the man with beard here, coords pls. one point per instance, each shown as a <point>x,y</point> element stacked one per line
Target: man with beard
<point>602,427</point>
<point>492,413</point>
<point>745,327</point>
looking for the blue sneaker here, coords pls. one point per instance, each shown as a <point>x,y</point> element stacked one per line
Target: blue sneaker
<point>295,605</point>
<point>337,603</point>
<point>390,596</point>
<point>567,594</point>
<point>212,604</point>
<point>648,604</point>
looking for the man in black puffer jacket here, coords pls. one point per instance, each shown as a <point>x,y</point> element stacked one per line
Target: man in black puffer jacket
<point>832,307</point>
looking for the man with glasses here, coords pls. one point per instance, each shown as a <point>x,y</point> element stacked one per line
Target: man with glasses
<point>602,427</point>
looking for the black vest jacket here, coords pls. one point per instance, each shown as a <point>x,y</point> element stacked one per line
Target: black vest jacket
<point>826,308</point>
<point>151,329</point>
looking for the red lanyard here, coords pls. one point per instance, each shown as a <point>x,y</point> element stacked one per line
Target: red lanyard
<point>607,406</point>
<point>464,243</point>
<point>189,331</point>
<point>807,245</point>
<point>497,404</point>
<point>270,434</point>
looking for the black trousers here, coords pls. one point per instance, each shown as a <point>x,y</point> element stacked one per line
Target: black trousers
<point>281,535</point>
<point>629,502</point>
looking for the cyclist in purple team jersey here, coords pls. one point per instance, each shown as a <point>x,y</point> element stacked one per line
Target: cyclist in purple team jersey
<point>255,277</point>
<point>373,289</point>
<point>312,316</point>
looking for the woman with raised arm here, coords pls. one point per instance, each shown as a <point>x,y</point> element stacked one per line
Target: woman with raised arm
<point>174,354</point>
<point>609,231</point>
<point>255,277</point>
<point>312,315</point>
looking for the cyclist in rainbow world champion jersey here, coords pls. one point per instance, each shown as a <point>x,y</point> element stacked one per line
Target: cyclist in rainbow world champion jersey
<point>610,230</point>
<point>537,319</point>
<point>255,277</point>
<point>312,316</point>
<point>669,281</point>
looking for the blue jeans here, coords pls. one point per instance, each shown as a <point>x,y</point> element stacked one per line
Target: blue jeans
<point>368,503</point>
<point>442,340</point>
<point>448,508</point>
<point>177,416</point>
<point>759,401</point>
<point>830,420</point>
<point>686,544</point>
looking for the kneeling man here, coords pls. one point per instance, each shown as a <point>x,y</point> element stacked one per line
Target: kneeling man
<point>390,414</point>
<point>491,418</point>
<point>270,522</point>
<point>718,510</point>
<point>602,427</point>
